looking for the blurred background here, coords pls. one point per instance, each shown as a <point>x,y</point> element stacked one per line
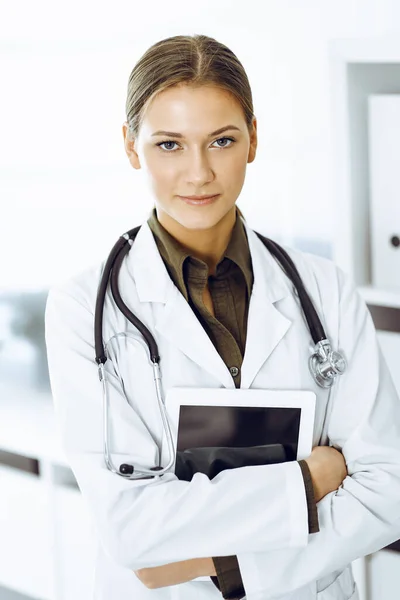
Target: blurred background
<point>325,77</point>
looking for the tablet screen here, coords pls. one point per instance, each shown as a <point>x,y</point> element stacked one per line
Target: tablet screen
<point>237,426</point>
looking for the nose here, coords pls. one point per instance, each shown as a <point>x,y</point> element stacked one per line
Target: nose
<point>198,169</point>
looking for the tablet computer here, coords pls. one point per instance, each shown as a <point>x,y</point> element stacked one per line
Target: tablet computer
<point>232,417</point>
<point>239,418</point>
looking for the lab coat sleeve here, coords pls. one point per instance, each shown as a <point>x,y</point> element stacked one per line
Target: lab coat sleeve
<point>152,522</point>
<point>363,515</point>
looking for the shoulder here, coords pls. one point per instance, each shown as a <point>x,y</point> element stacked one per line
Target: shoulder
<point>80,288</point>
<point>320,276</point>
<point>332,291</point>
<point>335,296</point>
<point>326,276</point>
<point>317,271</point>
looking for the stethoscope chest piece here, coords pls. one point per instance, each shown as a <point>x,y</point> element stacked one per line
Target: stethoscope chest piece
<point>326,364</point>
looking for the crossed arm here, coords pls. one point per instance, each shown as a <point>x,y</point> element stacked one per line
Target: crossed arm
<point>186,570</point>
<point>174,573</point>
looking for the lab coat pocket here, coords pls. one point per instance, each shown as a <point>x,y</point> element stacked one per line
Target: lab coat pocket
<point>196,590</point>
<point>342,587</point>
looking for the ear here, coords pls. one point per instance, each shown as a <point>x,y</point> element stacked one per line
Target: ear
<point>129,142</point>
<point>253,142</point>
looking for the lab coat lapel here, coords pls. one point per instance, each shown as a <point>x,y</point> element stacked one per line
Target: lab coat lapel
<point>266,326</point>
<point>180,325</point>
<point>174,319</point>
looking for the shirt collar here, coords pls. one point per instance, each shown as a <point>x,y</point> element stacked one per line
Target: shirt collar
<point>175,255</point>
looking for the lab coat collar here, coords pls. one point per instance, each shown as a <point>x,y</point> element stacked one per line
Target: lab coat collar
<point>177,322</point>
<point>266,325</point>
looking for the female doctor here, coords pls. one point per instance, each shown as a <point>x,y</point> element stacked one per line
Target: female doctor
<point>223,314</point>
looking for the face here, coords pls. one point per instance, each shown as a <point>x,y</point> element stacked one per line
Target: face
<point>191,158</point>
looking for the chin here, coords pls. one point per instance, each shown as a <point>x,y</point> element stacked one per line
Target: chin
<point>200,217</point>
<point>202,220</point>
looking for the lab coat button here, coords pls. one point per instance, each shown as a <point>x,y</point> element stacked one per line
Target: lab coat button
<point>234,371</point>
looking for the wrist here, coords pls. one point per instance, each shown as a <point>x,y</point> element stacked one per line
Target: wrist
<point>314,478</point>
<point>204,567</point>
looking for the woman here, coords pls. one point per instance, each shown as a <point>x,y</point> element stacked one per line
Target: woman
<point>223,314</point>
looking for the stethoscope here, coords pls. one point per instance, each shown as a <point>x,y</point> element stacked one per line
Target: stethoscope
<point>324,363</point>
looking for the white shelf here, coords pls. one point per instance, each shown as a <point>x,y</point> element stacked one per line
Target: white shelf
<point>26,563</point>
<point>47,542</point>
<point>31,425</point>
<point>380,297</point>
<point>367,50</point>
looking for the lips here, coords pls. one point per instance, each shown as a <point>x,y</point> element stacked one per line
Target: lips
<point>199,200</point>
<point>199,197</point>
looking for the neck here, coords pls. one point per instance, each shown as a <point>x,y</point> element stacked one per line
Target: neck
<point>208,245</point>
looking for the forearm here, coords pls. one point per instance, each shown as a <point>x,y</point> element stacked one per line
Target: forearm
<point>212,527</point>
<point>349,529</point>
<point>176,573</point>
<point>229,580</point>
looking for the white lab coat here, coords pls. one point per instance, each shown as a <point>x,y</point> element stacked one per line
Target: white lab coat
<point>258,513</point>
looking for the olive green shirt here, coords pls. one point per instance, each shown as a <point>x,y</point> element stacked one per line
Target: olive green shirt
<point>230,290</point>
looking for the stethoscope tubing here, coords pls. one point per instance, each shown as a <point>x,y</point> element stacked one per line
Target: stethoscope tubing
<point>110,274</point>
<point>113,265</point>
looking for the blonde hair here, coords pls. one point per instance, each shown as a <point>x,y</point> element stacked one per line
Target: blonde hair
<point>183,59</point>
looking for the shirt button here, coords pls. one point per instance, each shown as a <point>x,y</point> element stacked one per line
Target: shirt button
<point>234,371</point>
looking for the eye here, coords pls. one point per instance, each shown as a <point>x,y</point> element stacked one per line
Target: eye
<point>161,144</point>
<point>225,138</point>
<point>166,142</point>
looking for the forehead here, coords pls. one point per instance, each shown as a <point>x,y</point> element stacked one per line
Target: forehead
<point>198,107</point>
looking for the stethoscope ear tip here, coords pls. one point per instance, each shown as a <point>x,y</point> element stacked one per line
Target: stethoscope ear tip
<point>126,469</point>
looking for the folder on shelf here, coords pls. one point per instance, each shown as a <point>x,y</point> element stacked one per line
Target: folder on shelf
<point>384,152</point>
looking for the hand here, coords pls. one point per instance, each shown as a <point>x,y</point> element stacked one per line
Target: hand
<point>328,470</point>
<point>174,573</point>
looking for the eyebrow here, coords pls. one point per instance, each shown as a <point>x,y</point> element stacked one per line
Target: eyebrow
<point>179,135</point>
